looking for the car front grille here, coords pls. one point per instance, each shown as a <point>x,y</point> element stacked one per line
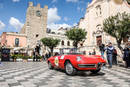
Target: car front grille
<point>87,65</point>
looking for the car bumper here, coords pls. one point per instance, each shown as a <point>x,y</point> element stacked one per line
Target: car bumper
<point>89,66</point>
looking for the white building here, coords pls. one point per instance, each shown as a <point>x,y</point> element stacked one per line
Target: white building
<point>96,12</point>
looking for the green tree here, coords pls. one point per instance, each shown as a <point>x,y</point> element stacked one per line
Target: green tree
<point>118,26</point>
<point>76,35</point>
<point>51,43</point>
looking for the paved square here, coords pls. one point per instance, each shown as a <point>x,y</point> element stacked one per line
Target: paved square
<point>37,74</point>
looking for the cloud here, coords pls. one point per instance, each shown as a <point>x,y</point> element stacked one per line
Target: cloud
<point>74,1</point>
<point>2,25</point>
<point>53,15</point>
<point>15,0</point>
<point>53,1</point>
<point>15,23</point>
<point>66,19</point>
<point>74,24</point>
<point>57,26</point>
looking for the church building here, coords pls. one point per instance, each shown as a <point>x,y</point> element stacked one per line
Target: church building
<point>96,12</point>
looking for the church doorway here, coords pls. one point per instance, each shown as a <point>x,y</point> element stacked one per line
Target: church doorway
<point>99,40</point>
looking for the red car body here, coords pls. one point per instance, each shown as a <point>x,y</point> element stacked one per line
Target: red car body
<point>79,62</point>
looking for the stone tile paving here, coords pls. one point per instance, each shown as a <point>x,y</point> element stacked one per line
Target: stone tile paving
<point>37,74</point>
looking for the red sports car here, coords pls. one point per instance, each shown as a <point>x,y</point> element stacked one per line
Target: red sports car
<point>73,62</point>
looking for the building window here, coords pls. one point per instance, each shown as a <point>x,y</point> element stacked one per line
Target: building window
<point>81,45</point>
<point>98,10</point>
<point>37,35</point>
<point>62,43</point>
<point>99,40</point>
<point>99,27</point>
<point>68,43</point>
<point>17,42</point>
<point>53,32</point>
<point>128,1</point>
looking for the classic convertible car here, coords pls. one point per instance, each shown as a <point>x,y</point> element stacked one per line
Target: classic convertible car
<point>74,61</point>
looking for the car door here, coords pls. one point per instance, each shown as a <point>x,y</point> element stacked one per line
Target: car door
<point>58,61</point>
<point>61,61</point>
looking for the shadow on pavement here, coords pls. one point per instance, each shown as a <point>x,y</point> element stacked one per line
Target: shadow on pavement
<point>83,74</point>
<point>89,74</point>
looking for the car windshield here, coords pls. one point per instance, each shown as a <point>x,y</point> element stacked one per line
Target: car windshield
<point>70,51</point>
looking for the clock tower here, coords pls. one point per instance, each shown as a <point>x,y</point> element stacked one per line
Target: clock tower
<point>35,25</point>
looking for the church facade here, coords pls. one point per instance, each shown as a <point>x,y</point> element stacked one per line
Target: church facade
<point>96,12</point>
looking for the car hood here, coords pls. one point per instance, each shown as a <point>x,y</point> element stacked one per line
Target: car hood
<point>92,59</point>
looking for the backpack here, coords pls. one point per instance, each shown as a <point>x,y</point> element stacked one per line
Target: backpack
<point>114,51</point>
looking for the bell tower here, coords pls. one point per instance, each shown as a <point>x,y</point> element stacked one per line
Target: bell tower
<point>36,24</point>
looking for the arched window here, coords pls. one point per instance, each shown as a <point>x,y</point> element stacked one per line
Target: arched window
<point>68,43</point>
<point>98,10</point>
<point>62,42</point>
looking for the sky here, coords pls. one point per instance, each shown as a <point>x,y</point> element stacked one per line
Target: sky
<point>61,13</point>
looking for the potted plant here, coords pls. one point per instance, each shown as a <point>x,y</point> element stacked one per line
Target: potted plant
<point>40,58</point>
<point>25,58</point>
<point>14,57</point>
<point>30,58</point>
<point>19,57</point>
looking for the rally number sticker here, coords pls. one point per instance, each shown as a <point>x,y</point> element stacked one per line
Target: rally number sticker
<point>56,61</point>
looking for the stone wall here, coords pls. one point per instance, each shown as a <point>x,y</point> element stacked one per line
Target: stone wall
<point>36,24</point>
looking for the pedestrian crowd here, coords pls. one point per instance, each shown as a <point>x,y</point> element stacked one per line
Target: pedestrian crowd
<point>44,57</point>
<point>111,54</point>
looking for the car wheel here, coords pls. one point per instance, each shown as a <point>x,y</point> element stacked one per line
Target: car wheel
<point>69,69</point>
<point>50,65</point>
<point>95,71</point>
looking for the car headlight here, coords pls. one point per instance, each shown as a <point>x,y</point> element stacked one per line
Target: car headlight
<point>78,58</point>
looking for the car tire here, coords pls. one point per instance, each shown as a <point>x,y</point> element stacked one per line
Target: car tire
<point>50,65</point>
<point>69,69</point>
<point>95,71</point>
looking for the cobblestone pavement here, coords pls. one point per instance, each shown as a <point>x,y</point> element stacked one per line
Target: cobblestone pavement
<point>37,74</point>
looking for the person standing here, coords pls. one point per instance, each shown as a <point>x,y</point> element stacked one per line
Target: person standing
<point>94,52</point>
<point>126,56</point>
<point>34,55</point>
<point>102,50</point>
<point>129,55</point>
<point>89,53</point>
<point>109,51</point>
<point>43,57</point>
<point>114,59</point>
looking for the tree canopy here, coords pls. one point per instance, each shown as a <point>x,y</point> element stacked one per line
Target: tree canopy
<point>118,26</point>
<point>76,35</point>
<point>50,42</point>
